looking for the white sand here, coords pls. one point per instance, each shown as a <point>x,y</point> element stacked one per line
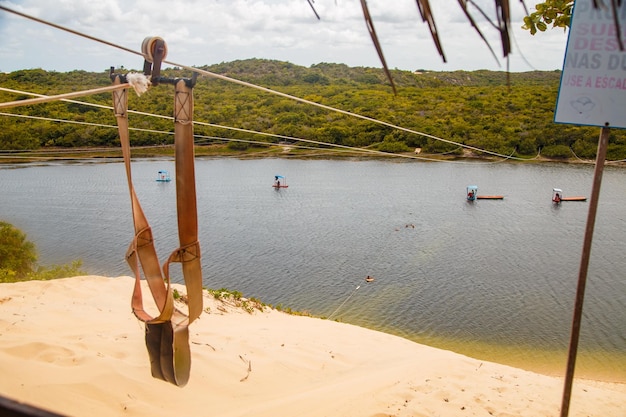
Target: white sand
<point>73,346</point>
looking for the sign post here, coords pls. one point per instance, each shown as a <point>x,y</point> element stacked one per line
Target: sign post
<point>582,274</point>
<point>592,93</point>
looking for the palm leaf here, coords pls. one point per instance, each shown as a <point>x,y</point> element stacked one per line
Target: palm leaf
<point>313,8</point>
<point>372,31</point>
<point>427,16</point>
<point>503,12</point>
<point>463,4</point>
<point>615,4</point>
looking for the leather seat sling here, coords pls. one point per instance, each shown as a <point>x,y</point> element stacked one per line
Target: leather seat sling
<point>167,335</point>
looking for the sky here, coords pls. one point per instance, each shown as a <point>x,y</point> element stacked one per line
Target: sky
<point>206,32</point>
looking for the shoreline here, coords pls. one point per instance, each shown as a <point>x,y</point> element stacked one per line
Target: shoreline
<point>549,362</point>
<point>545,362</point>
<point>73,346</point>
<point>221,151</point>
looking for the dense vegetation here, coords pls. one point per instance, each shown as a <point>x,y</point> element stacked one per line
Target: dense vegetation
<point>493,111</point>
<point>18,259</point>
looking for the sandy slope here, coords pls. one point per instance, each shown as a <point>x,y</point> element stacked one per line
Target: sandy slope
<point>74,347</point>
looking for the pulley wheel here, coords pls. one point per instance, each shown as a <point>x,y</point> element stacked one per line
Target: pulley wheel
<point>148,48</point>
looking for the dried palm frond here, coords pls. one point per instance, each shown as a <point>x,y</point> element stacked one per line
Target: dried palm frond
<point>463,4</point>
<point>503,12</point>
<point>615,4</point>
<point>313,8</point>
<point>525,8</point>
<point>503,24</point>
<point>372,31</point>
<point>427,16</point>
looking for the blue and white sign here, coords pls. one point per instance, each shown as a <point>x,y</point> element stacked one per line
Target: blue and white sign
<point>593,81</point>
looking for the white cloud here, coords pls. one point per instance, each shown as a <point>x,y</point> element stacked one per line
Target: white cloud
<point>204,32</point>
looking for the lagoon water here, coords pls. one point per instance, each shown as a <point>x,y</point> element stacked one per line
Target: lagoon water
<point>492,279</point>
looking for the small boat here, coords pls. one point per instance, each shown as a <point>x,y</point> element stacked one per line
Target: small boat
<point>280,182</point>
<point>557,197</point>
<point>163,176</point>
<point>369,278</point>
<point>472,194</point>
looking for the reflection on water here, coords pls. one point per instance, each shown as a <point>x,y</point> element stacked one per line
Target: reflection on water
<point>494,279</point>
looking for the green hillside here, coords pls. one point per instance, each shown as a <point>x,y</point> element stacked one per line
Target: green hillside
<point>499,112</point>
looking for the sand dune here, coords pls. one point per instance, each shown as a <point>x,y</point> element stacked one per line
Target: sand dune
<point>72,346</point>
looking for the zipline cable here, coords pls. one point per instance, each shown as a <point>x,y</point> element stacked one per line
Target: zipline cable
<point>65,97</point>
<point>264,89</point>
<point>44,98</point>
<point>208,138</point>
<point>380,255</point>
<point>344,301</point>
<point>59,97</point>
<point>330,146</point>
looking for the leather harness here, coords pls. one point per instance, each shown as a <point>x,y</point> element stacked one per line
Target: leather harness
<point>167,335</point>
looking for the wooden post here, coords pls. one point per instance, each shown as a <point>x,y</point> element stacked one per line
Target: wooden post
<point>584,266</point>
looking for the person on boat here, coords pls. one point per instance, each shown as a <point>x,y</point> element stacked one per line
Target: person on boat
<point>557,198</point>
<point>470,195</point>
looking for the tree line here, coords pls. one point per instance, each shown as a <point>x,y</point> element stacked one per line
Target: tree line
<point>505,113</point>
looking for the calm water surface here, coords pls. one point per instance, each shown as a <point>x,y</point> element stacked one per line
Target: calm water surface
<point>493,279</point>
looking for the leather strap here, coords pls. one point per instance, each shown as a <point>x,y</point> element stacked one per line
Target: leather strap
<point>141,248</point>
<point>167,335</point>
<point>188,254</point>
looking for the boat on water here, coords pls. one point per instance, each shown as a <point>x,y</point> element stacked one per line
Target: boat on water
<point>472,194</point>
<point>163,176</point>
<point>557,196</point>
<point>280,182</point>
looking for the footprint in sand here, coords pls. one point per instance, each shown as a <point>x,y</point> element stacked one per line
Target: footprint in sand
<point>45,353</point>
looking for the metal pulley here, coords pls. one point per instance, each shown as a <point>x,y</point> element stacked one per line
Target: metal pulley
<point>154,51</point>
